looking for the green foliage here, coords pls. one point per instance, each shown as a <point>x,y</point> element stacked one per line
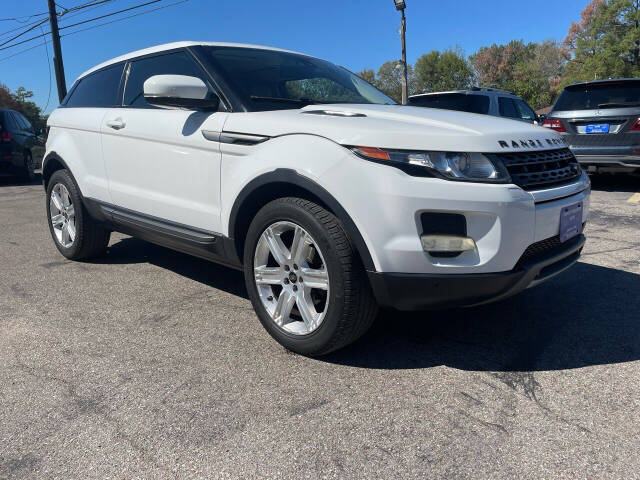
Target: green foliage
<point>19,100</point>
<point>448,70</point>
<point>368,75</point>
<point>606,43</point>
<point>389,80</point>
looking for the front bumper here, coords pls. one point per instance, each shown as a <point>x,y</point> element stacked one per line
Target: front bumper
<point>427,291</point>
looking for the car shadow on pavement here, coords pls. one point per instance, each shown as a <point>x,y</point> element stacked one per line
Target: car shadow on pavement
<point>589,315</point>
<point>615,183</point>
<point>17,182</point>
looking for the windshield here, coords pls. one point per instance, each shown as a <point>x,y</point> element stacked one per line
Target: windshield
<point>273,80</point>
<point>599,95</point>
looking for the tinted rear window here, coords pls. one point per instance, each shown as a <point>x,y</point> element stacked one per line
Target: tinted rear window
<point>599,95</point>
<point>98,89</point>
<point>453,101</point>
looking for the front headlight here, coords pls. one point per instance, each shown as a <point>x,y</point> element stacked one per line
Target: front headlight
<point>450,165</point>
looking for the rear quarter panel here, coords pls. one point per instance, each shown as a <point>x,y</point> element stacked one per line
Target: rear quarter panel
<point>74,136</point>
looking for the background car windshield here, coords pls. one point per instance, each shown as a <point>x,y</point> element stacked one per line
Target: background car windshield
<point>273,80</point>
<point>599,95</point>
<point>454,101</point>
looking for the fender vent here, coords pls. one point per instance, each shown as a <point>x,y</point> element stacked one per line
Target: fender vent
<point>334,113</point>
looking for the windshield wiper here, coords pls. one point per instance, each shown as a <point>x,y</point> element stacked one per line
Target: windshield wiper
<point>618,104</point>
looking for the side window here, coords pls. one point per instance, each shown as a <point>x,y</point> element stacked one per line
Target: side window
<point>10,120</point>
<point>179,63</point>
<point>24,122</point>
<point>525,112</point>
<point>507,108</point>
<point>99,89</point>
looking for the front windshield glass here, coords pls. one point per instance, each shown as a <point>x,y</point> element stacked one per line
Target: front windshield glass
<point>273,80</point>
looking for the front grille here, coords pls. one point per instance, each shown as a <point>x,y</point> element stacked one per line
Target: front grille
<point>543,249</point>
<point>531,170</point>
<point>540,250</point>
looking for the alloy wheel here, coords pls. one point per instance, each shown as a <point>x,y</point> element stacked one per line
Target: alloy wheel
<point>291,277</point>
<point>63,216</point>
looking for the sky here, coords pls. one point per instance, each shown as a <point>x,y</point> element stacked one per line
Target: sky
<point>357,34</point>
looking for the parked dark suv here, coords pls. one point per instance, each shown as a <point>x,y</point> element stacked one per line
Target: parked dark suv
<point>601,123</point>
<point>21,148</point>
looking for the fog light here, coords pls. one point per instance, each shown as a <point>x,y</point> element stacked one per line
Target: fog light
<point>447,243</point>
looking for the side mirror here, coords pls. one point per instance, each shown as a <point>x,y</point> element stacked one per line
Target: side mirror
<point>179,91</point>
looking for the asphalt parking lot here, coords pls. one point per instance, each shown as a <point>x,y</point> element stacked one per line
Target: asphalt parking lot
<point>151,364</point>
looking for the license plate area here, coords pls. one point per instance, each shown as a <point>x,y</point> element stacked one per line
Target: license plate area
<point>570,221</point>
<point>597,128</point>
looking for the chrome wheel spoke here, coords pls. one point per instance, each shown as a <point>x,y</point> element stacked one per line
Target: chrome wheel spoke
<point>300,246</point>
<point>285,304</point>
<point>71,230</point>
<point>56,200</point>
<point>65,235</point>
<point>276,247</point>
<point>269,275</point>
<point>57,220</point>
<point>307,310</point>
<point>315,278</point>
<point>71,212</point>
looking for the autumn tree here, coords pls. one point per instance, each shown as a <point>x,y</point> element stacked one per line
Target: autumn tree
<point>606,41</point>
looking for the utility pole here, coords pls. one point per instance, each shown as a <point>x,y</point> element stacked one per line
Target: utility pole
<point>57,51</point>
<point>400,5</point>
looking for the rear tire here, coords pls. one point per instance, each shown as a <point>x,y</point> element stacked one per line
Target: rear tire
<point>75,233</point>
<point>333,304</point>
<point>28,173</point>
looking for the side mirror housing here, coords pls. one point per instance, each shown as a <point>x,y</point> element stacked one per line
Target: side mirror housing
<point>179,91</point>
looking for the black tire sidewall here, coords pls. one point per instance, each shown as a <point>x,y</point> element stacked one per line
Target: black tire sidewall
<point>323,335</point>
<point>64,177</point>
<point>29,171</point>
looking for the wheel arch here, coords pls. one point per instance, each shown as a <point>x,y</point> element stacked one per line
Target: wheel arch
<point>284,182</point>
<point>52,162</point>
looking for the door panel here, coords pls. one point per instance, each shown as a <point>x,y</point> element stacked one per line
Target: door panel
<point>158,163</point>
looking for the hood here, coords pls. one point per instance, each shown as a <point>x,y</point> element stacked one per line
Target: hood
<point>399,127</point>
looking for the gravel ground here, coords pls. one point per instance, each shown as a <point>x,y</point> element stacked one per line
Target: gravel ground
<point>151,364</point>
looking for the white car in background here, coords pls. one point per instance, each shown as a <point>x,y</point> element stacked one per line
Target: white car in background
<point>330,197</point>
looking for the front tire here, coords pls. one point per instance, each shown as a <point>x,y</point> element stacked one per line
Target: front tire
<point>305,280</point>
<point>75,233</point>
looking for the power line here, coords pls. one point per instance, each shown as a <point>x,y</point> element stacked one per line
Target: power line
<point>125,18</point>
<point>78,9</point>
<point>83,22</point>
<point>46,47</point>
<point>90,28</point>
<point>38,24</point>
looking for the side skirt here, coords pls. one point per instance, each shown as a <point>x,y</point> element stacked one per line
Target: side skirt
<point>200,243</point>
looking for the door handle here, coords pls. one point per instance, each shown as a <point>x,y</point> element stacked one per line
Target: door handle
<point>116,123</point>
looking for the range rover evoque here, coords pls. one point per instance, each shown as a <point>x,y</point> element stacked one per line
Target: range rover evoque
<point>330,197</point>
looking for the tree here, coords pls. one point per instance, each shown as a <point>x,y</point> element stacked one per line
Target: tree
<point>495,65</point>
<point>18,100</point>
<point>448,70</point>
<point>531,70</point>
<point>606,42</point>
<point>368,75</point>
<point>389,79</point>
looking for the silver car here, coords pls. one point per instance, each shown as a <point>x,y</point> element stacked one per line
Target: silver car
<point>600,121</point>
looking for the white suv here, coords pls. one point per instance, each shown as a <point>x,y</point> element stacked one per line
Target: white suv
<point>330,197</point>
